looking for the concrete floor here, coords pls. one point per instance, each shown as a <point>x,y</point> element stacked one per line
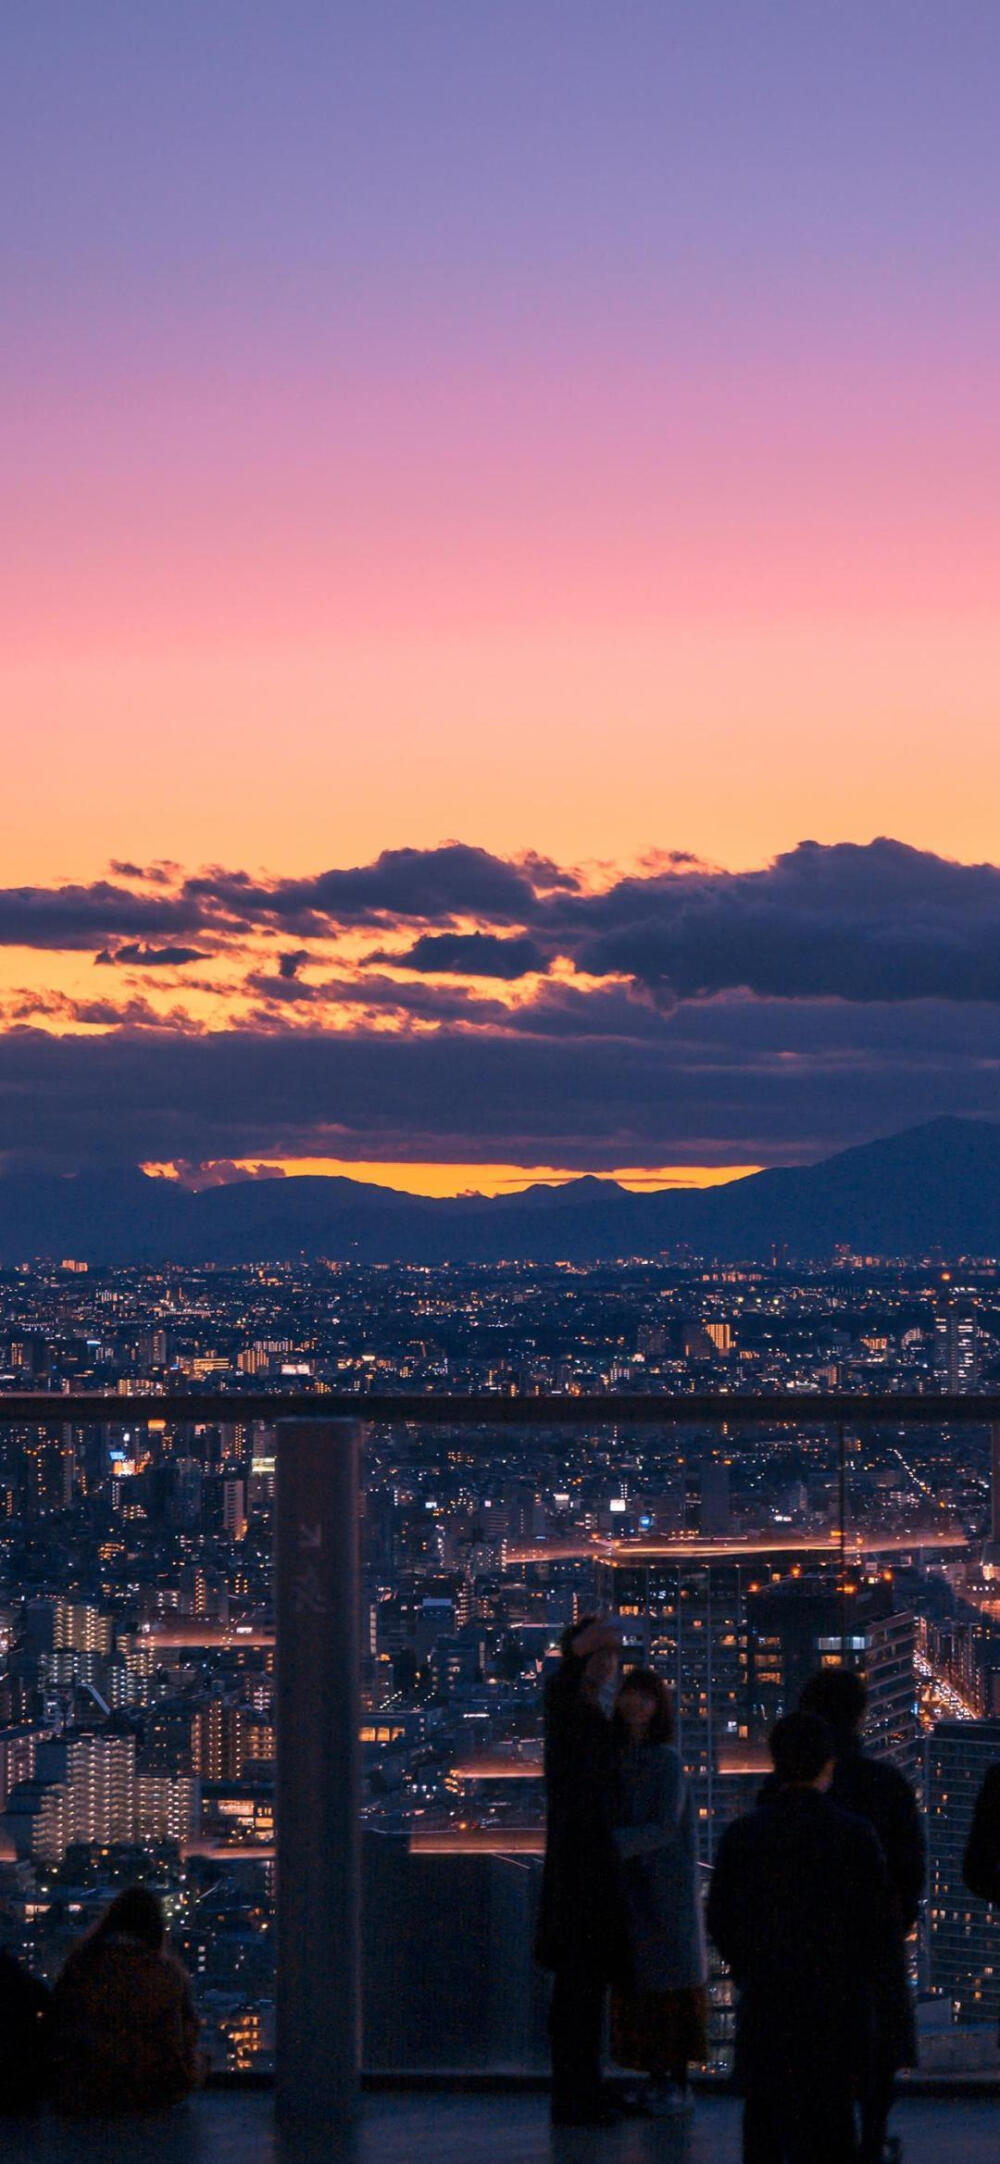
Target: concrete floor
<point>233,2128</point>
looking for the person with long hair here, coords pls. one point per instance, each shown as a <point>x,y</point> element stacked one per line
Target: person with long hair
<point>658,2018</point>
<point>122,2025</point>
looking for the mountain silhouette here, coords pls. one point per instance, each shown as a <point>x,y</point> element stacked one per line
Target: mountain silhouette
<point>932,1187</point>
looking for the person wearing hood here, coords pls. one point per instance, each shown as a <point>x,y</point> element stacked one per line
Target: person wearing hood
<point>122,2025</point>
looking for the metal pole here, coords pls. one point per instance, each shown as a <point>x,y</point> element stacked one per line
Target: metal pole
<point>995,1485</point>
<point>842,1531</point>
<point>318,1845</point>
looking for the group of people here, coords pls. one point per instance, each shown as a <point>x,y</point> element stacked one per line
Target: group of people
<point>117,2032</point>
<point>812,1898</point>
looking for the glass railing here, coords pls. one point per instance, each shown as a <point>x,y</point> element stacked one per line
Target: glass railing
<point>741,1545</point>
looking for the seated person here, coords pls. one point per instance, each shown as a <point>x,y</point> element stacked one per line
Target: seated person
<point>123,2030</point>
<point>23,2002</point>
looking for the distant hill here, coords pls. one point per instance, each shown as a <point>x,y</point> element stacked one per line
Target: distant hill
<point>933,1186</point>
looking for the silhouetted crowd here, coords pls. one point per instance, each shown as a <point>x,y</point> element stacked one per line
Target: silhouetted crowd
<point>813,1896</point>
<point>118,2031</point>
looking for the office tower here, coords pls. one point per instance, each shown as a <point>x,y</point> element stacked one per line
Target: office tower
<point>720,1334</point>
<point>715,1517</point>
<point>956,1346</point>
<point>806,1622</point>
<point>234,1509</point>
<point>686,1607</point>
<point>963,1935</point>
<point>151,1348</point>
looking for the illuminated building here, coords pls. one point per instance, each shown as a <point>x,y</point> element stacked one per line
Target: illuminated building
<point>234,1509</point>
<point>956,1346</point>
<point>963,1936</point>
<point>805,1623</point>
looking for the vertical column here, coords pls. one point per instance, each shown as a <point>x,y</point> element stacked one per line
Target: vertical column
<point>318,1844</point>
<point>995,1484</point>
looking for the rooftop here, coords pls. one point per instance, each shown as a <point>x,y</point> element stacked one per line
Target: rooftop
<point>230,2127</point>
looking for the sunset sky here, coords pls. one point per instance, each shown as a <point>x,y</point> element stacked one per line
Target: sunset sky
<point>523,476</point>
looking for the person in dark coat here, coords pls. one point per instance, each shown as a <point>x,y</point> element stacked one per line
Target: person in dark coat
<point>581,1930</point>
<point>122,2025</point>
<point>878,1792</point>
<point>799,1907</point>
<point>658,2018</point>
<point>23,2005</point>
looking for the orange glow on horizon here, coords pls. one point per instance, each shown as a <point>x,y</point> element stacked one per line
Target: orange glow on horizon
<point>440,1180</point>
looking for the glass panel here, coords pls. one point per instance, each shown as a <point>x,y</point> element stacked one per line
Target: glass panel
<point>137,1671</point>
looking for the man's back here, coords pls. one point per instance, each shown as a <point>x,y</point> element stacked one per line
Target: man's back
<point>798,1907</point>
<point>871,1789</point>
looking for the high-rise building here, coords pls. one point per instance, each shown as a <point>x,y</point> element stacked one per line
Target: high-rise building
<point>81,1626</point>
<point>963,1937</point>
<point>94,1774</point>
<point>167,1807</point>
<point>218,1741</point>
<point>720,1335</point>
<point>804,1623</point>
<point>956,1345</point>
<point>686,1607</point>
<point>234,1509</point>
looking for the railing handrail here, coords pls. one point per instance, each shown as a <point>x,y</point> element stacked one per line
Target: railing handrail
<point>445,1408</point>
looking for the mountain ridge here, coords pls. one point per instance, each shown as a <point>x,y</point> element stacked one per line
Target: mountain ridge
<point>932,1186</point>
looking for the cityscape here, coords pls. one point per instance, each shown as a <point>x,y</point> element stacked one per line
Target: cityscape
<point>137,1688</point>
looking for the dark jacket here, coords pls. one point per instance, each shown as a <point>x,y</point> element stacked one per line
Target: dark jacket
<point>657,1842</point>
<point>582,1916</point>
<point>799,1907</point>
<point>871,1789</point>
<point>23,2002</point>
<point>882,1795</point>
<point>123,2029</point>
<point>878,1793</point>
<point>981,1868</point>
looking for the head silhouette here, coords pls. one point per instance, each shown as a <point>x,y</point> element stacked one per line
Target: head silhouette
<point>802,1749</point>
<point>839,1696</point>
<point>135,1914</point>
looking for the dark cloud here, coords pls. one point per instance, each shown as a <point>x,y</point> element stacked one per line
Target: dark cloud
<point>546,876</point>
<point>141,957</point>
<point>377,994</point>
<point>424,885</point>
<point>80,917</point>
<point>723,1081</point>
<point>874,922</point>
<point>710,1016</point>
<point>470,954</point>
